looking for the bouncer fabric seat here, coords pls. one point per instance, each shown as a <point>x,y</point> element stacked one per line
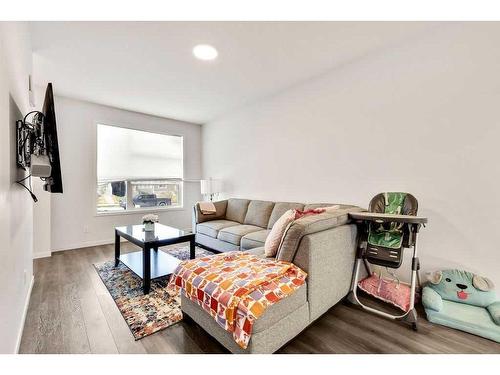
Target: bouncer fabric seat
<point>463,301</point>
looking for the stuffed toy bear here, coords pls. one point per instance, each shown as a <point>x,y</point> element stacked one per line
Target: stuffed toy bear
<point>463,300</point>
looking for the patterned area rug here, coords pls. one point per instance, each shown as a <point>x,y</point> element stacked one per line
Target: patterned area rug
<point>145,314</point>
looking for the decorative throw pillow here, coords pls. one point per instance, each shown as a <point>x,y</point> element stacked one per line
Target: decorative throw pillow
<point>273,240</point>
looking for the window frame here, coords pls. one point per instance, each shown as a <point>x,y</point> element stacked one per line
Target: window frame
<point>144,210</point>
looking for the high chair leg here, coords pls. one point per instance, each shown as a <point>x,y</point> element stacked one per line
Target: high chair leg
<point>411,318</point>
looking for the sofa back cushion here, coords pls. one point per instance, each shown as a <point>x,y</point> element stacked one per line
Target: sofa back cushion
<point>237,209</point>
<point>258,213</point>
<point>280,208</point>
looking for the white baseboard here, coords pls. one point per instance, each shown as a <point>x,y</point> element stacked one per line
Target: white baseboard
<point>25,312</point>
<point>86,244</point>
<point>94,243</point>
<point>45,254</point>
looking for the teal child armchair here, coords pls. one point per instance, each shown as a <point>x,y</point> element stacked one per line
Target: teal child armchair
<point>464,301</point>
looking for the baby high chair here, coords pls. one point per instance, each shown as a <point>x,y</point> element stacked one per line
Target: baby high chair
<point>390,226</point>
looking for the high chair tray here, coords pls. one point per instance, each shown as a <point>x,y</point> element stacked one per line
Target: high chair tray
<point>380,217</point>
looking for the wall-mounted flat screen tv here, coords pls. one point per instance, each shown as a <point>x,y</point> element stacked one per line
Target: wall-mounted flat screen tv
<point>53,183</point>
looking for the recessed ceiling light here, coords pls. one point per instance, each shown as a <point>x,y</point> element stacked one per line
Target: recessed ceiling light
<point>205,52</point>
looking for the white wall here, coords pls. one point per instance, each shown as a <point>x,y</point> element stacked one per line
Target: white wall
<point>16,206</point>
<point>421,117</point>
<point>73,219</point>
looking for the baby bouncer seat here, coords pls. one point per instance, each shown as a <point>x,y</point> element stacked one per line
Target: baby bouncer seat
<point>389,227</point>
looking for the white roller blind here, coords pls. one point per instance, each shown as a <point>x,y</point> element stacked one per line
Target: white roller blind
<point>125,154</point>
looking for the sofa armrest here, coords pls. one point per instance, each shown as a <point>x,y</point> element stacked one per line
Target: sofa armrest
<point>431,299</point>
<point>220,212</point>
<point>494,310</point>
<point>328,258</point>
<point>311,224</point>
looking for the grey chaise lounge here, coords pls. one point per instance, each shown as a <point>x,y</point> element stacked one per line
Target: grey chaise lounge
<point>323,245</point>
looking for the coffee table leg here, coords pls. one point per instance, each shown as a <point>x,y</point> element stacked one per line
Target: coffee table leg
<point>146,269</point>
<point>117,248</point>
<point>192,249</point>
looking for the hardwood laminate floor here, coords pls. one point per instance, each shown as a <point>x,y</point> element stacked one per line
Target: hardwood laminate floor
<point>71,311</point>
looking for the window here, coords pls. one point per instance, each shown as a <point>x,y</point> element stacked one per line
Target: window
<point>137,169</point>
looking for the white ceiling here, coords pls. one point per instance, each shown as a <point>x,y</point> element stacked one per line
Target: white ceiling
<point>148,66</point>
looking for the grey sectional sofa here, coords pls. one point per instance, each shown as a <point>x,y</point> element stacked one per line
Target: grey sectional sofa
<point>323,245</point>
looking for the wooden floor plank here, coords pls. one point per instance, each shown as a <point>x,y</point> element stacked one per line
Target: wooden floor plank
<point>71,311</point>
<point>49,319</point>
<point>75,333</point>
<point>99,333</point>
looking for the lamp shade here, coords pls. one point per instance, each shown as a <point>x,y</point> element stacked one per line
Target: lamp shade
<point>211,186</point>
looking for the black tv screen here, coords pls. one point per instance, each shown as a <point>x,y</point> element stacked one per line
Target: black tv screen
<point>54,182</point>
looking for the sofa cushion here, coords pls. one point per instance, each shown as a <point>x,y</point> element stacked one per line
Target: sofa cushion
<point>214,243</point>
<point>236,209</point>
<point>212,228</point>
<point>280,208</point>
<point>257,251</point>
<point>258,213</point>
<point>233,234</point>
<point>254,239</point>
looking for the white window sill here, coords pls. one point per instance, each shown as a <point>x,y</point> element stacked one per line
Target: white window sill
<point>150,210</point>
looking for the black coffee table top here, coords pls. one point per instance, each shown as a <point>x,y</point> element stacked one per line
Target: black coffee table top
<point>162,234</point>
<point>150,262</point>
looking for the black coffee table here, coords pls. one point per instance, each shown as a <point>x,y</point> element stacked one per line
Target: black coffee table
<point>149,264</point>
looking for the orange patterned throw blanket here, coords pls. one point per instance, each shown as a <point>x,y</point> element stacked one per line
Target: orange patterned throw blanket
<point>235,288</point>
